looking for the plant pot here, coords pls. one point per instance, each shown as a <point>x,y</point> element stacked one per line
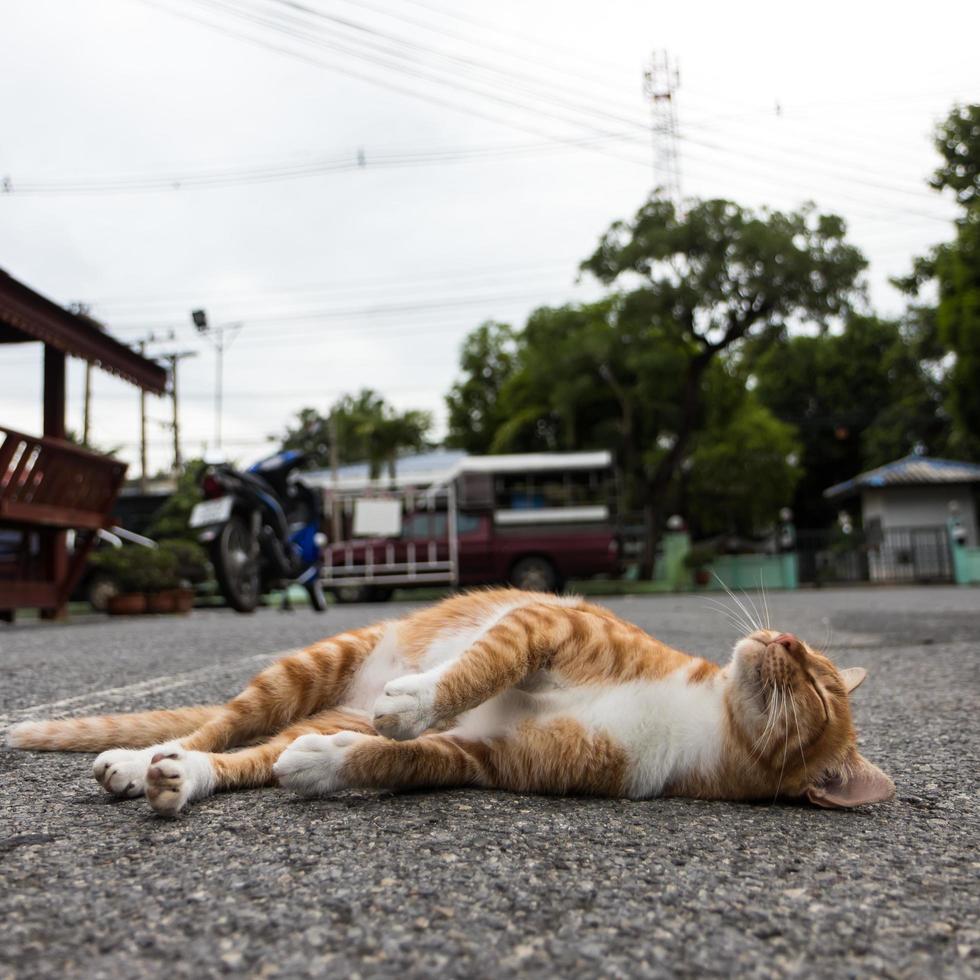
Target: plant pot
<point>183,600</point>
<point>161,602</point>
<point>127,604</point>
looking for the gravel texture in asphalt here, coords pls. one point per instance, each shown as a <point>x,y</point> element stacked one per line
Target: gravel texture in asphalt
<point>479,884</point>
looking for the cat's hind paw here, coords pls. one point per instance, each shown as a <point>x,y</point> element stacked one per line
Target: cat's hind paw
<point>313,765</point>
<point>404,711</point>
<point>175,778</point>
<point>122,772</point>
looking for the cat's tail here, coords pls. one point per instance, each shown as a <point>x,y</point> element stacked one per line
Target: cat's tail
<point>96,733</point>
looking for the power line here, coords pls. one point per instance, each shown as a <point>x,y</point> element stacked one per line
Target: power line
<point>355,160</point>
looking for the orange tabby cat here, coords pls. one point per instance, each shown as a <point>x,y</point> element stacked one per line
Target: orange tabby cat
<point>504,689</point>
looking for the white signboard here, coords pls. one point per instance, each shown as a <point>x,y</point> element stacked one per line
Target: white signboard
<point>377,518</point>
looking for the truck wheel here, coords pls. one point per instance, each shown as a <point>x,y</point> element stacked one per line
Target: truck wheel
<point>534,575</point>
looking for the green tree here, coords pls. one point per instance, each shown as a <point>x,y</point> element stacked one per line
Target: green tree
<point>713,277</point>
<point>951,326</point>
<point>488,358</point>
<point>172,520</point>
<point>592,376</point>
<point>857,399</point>
<point>743,465</point>
<point>366,428</point>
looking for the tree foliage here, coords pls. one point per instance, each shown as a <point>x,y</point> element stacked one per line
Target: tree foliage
<point>951,325</point>
<point>366,428</point>
<point>857,399</point>
<point>487,359</point>
<point>958,142</point>
<point>172,520</point>
<point>714,277</point>
<point>636,371</point>
<point>743,466</point>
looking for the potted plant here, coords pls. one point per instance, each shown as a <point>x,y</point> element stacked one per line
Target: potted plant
<point>127,568</point>
<point>192,569</point>
<point>698,559</point>
<point>160,568</point>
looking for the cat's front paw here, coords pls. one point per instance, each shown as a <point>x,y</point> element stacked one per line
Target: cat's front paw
<point>175,778</point>
<point>313,765</point>
<point>122,772</point>
<point>404,711</point>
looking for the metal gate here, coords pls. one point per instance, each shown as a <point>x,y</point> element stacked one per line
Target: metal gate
<point>892,555</point>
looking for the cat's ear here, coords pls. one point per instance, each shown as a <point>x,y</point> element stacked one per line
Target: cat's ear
<point>853,677</point>
<point>856,783</point>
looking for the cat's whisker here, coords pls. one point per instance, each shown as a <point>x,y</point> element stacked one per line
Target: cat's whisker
<point>732,617</point>
<point>799,736</point>
<point>751,601</point>
<point>782,771</point>
<point>767,732</point>
<point>733,597</point>
<point>765,602</point>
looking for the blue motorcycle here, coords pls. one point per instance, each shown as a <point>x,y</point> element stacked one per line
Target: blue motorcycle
<point>262,527</point>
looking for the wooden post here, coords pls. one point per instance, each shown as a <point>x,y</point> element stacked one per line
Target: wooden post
<point>54,392</point>
<point>55,543</point>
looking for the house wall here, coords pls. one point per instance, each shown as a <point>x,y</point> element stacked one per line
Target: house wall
<point>920,507</point>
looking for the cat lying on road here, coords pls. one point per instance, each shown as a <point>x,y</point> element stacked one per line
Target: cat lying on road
<point>501,689</point>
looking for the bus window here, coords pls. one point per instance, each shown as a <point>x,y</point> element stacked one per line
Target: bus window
<point>424,525</point>
<point>467,523</point>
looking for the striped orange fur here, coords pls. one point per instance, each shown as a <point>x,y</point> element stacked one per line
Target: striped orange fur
<point>504,689</point>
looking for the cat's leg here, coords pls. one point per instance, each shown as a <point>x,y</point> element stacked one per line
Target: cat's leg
<point>291,688</point>
<point>178,776</point>
<point>560,757</point>
<point>520,642</point>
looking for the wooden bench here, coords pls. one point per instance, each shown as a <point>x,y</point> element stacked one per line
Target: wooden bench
<point>48,487</point>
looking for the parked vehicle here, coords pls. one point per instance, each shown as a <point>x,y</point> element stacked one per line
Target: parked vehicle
<point>533,520</point>
<point>262,526</point>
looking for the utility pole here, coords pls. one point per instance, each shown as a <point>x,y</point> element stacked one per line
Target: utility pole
<point>660,83</point>
<point>173,359</point>
<point>216,335</point>
<point>84,310</point>
<point>143,473</point>
<point>335,477</point>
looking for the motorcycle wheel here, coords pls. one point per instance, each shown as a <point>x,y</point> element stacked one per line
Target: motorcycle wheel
<point>237,573</point>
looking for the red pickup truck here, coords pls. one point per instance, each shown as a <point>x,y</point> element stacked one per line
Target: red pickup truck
<point>494,523</point>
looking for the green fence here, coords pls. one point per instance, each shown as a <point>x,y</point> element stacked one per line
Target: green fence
<point>736,571</point>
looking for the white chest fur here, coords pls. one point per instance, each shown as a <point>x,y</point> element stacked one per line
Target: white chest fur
<point>667,727</point>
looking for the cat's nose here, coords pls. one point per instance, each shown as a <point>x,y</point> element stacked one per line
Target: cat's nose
<point>791,645</point>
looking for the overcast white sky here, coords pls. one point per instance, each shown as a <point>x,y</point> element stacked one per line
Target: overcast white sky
<point>477,200</point>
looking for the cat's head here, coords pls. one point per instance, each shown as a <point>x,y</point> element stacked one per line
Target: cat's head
<point>790,704</point>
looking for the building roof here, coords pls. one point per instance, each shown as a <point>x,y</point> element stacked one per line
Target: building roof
<point>907,472</point>
<point>441,466</point>
<point>26,316</point>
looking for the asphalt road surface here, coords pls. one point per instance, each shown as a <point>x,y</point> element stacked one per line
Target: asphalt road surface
<point>479,884</point>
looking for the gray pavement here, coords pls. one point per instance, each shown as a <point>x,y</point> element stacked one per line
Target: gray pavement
<point>478,884</point>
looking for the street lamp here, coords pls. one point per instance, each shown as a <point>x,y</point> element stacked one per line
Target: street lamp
<point>216,335</point>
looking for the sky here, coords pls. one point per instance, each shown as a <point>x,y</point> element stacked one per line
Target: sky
<point>360,184</point>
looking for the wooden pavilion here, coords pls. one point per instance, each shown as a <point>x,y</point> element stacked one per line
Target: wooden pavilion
<point>49,486</point>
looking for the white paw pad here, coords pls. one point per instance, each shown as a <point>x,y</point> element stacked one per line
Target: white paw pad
<point>404,711</point>
<point>177,776</point>
<point>313,764</point>
<point>122,772</point>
